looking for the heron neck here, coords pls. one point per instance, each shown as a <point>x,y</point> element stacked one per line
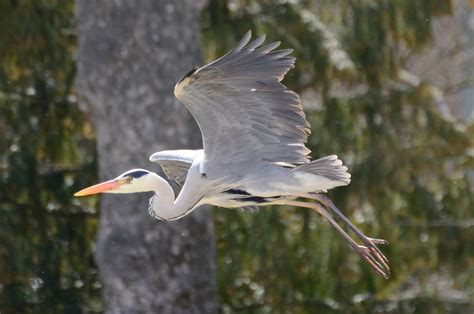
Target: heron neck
<point>162,202</point>
<point>164,205</point>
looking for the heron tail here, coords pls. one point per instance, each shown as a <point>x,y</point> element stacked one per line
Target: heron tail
<point>329,167</point>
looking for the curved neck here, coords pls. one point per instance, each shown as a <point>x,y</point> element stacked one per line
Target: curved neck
<point>162,202</point>
<point>164,205</point>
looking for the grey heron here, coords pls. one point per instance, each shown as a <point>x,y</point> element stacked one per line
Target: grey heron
<point>254,132</point>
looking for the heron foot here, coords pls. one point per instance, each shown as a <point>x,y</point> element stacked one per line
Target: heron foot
<point>378,241</point>
<point>370,243</point>
<point>375,258</point>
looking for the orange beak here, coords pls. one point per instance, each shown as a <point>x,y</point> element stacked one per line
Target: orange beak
<point>99,188</point>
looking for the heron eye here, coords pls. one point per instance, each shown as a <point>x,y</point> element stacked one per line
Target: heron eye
<point>128,179</point>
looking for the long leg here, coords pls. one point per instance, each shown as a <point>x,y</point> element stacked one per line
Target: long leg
<point>369,242</point>
<point>371,256</point>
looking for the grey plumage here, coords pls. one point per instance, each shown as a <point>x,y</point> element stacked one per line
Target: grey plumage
<point>245,114</point>
<point>254,132</point>
<point>330,167</point>
<point>175,163</point>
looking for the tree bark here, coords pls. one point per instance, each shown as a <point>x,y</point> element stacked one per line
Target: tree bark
<point>130,55</point>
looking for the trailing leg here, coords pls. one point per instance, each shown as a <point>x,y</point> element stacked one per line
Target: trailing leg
<point>369,242</point>
<point>373,257</point>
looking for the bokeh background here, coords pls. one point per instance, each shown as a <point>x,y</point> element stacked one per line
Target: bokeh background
<point>387,85</point>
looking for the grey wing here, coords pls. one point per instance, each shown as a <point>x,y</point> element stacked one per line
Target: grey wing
<point>245,114</point>
<point>175,163</point>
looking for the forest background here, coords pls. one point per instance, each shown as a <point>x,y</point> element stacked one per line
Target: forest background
<point>387,85</point>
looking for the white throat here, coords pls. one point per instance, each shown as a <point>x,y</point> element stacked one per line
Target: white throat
<point>164,206</point>
<point>161,204</point>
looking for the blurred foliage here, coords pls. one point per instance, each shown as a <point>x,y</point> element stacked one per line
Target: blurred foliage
<point>409,166</point>
<point>46,261</point>
<point>408,163</point>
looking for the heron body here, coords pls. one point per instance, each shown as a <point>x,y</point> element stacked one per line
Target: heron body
<point>254,132</point>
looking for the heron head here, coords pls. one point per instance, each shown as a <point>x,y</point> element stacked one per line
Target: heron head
<point>131,181</point>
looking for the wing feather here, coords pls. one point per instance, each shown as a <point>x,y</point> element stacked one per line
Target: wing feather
<point>243,110</point>
<point>175,163</point>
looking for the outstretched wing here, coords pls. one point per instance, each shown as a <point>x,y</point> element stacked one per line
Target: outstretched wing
<point>175,163</point>
<point>245,114</point>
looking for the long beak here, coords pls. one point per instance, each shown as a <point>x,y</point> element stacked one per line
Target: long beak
<point>99,188</point>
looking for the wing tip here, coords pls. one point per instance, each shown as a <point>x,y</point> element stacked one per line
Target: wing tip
<point>244,41</point>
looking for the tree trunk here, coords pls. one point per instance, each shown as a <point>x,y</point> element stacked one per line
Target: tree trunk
<point>130,56</point>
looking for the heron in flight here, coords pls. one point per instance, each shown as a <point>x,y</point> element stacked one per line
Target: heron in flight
<point>254,132</point>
